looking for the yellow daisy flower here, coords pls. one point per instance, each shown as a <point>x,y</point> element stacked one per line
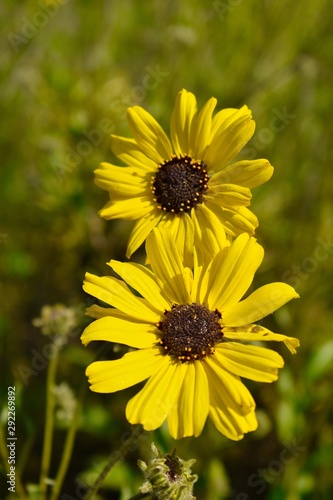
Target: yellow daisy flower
<point>186,182</point>
<point>187,332</point>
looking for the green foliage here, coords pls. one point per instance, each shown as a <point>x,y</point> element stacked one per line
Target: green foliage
<point>67,77</point>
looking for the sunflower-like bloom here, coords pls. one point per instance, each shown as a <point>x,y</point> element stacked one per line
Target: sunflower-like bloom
<point>190,332</point>
<point>188,182</point>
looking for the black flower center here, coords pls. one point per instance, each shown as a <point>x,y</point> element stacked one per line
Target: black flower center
<point>190,331</point>
<point>179,184</point>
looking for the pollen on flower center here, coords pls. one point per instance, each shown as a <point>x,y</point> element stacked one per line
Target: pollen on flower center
<point>190,331</point>
<point>179,184</point>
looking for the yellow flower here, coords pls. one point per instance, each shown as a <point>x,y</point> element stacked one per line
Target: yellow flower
<point>189,181</point>
<point>187,329</point>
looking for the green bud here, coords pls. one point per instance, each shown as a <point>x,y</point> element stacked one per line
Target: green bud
<point>167,477</point>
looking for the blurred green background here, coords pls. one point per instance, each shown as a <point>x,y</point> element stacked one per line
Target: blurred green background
<point>68,73</point>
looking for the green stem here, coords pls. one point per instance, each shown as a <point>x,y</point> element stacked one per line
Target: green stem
<point>49,423</point>
<point>71,433</point>
<point>25,454</point>
<point>113,459</point>
<point>69,443</point>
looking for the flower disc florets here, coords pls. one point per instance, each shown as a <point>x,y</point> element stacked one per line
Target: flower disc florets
<point>179,184</point>
<point>190,331</point>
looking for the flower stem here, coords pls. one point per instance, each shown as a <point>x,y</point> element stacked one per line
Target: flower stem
<point>49,423</point>
<point>69,443</point>
<point>71,433</point>
<point>137,431</point>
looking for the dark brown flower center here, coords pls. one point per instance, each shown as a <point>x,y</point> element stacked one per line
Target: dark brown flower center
<point>172,462</point>
<point>179,184</point>
<point>190,331</point>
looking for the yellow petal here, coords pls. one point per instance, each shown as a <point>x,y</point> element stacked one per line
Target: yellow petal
<point>230,423</point>
<point>128,209</point>
<point>167,265</point>
<point>247,173</point>
<point>115,292</point>
<point>229,195</point>
<point>198,273</point>
<point>231,405</point>
<point>121,181</point>
<point>232,272</point>
<point>182,122</point>
<point>129,153</point>
<point>154,402</point>
<point>181,229</point>
<point>259,304</point>
<point>228,142</point>
<point>235,220</point>
<point>134,367</point>
<point>115,329</point>
<point>97,312</point>
<point>222,119</point>
<point>229,387</point>
<point>249,361</point>
<point>210,238</point>
<point>210,235</point>
<point>188,417</point>
<point>149,135</point>
<point>258,333</point>
<point>203,129</point>
<point>141,230</point>
<point>143,281</point>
